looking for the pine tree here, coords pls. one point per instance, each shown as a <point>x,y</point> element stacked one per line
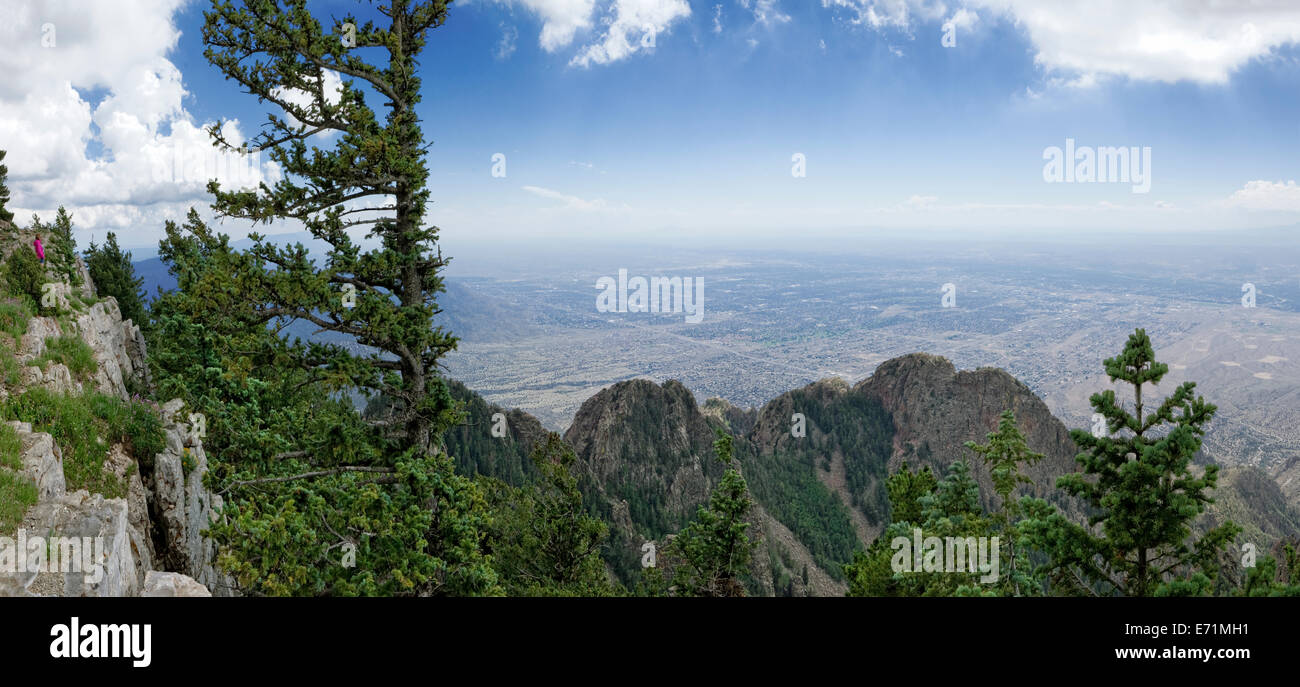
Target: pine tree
<point>1004,452</point>
<point>946,508</point>
<point>870,573</point>
<point>713,549</point>
<point>379,483</point>
<point>5,214</point>
<point>1143,494</point>
<point>332,521</point>
<point>63,247</point>
<point>113,274</point>
<point>273,51</point>
<point>544,543</point>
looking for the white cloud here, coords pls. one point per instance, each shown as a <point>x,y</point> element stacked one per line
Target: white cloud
<point>717,18</point>
<point>561,19</point>
<point>636,25</point>
<point>888,14</point>
<point>570,202</point>
<point>506,47</point>
<point>1156,40</point>
<point>617,28</point>
<point>964,19</point>
<point>1267,195</point>
<point>765,12</point>
<point>95,121</point>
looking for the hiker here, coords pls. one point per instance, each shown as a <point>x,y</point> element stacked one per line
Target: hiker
<point>40,250</point>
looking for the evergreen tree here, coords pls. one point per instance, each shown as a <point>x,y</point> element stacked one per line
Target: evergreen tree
<point>871,573</point>
<point>543,541</point>
<point>713,550</point>
<point>113,274</point>
<point>333,521</point>
<point>1143,494</point>
<point>62,247</point>
<point>384,299</point>
<point>1004,453</point>
<point>949,508</point>
<point>5,214</point>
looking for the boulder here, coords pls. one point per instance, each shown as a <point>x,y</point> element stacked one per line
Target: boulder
<point>168,584</point>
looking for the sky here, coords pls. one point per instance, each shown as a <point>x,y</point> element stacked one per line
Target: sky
<point>673,120</point>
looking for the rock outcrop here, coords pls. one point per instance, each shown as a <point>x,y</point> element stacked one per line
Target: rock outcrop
<point>118,346</point>
<point>149,540</point>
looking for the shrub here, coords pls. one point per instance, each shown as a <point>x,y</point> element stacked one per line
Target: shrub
<point>24,276</point>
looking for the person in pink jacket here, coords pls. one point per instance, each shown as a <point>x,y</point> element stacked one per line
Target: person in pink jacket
<point>40,250</point>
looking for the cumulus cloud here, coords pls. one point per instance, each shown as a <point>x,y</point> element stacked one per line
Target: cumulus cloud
<point>612,29</point>
<point>1157,40</point>
<point>1267,195</point>
<point>636,25</point>
<point>91,115</point>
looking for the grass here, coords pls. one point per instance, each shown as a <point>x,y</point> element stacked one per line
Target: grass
<point>10,369</point>
<point>14,315</point>
<point>72,351</point>
<point>17,494</point>
<point>11,448</point>
<point>85,427</point>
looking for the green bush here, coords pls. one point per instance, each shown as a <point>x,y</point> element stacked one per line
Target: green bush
<point>24,276</point>
<point>72,351</point>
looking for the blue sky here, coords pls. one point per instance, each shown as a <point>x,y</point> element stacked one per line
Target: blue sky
<point>606,139</point>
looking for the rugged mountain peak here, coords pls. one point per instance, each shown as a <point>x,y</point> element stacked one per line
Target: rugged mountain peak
<point>641,422</point>
<point>936,409</point>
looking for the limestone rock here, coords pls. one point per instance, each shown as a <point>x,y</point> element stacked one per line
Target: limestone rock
<point>42,461</point>
<point>166,584</point>
<point>99,527</point>
<point>183,504</point>
<point>102,328</point>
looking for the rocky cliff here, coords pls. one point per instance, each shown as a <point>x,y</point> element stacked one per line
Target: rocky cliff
<point>147,532</point>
